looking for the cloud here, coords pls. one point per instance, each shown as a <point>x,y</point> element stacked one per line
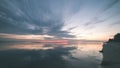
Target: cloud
<point>115,23</point>
<point>97,18</point>
<point>109,5</point>
<point>28,37</point>
<point>31,17</point>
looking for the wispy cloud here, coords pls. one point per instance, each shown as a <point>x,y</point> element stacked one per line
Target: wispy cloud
<point>58,18</point>
<point>96,19</point>
<point>115,23</point>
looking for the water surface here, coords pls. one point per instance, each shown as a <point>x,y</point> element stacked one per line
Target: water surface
<point>47,55</point>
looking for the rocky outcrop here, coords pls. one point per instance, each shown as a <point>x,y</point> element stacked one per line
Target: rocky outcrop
<point>111,51</point>
<point>115,39</point>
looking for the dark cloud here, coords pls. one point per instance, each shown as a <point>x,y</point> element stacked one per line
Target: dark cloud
<point>31,17</point>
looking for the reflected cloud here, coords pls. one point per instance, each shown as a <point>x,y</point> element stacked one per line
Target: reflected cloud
<point>22,55</point>
<point>89,46</point>
<point>32,46</point>
<point>34,55</point>
<point>29,47</point>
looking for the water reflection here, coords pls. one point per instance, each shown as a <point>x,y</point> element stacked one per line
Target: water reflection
<point>36,55</point>
<point>31,46</point>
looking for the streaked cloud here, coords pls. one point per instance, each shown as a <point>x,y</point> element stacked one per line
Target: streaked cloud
<point>34,17</point>
<point>59,18</point>
<point>25,37</point>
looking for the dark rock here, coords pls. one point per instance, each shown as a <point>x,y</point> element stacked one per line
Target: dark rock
<point>115,39</point>
<point>111,51</point>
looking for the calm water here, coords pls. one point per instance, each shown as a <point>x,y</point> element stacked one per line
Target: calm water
<point>38,55</point>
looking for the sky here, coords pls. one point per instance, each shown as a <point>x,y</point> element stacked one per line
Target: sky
<point>59,19</point>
